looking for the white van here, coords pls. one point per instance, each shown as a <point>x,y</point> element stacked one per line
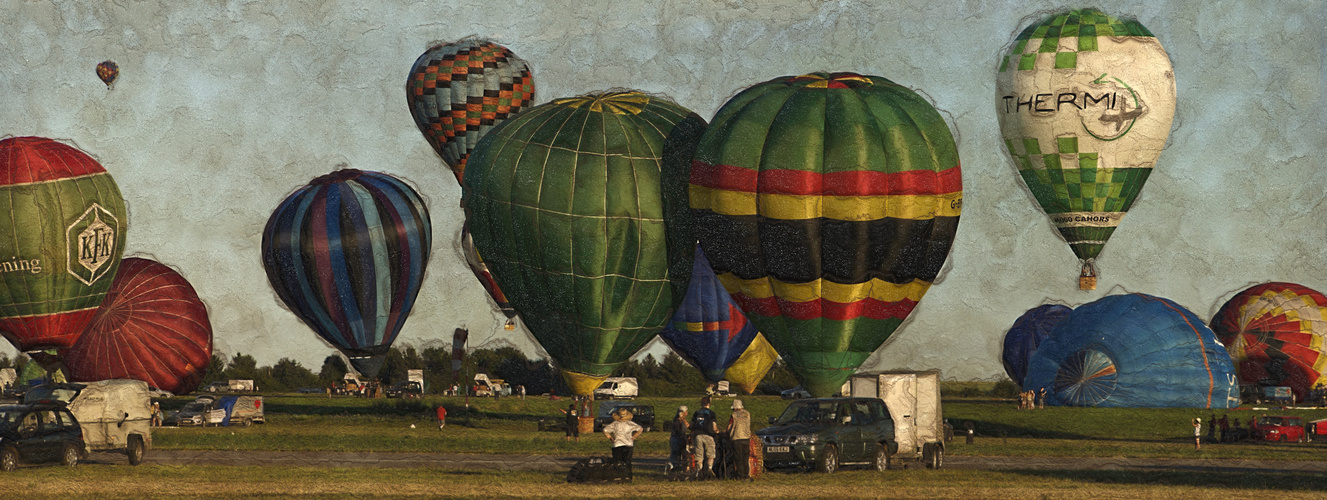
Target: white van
<point>617,388</point>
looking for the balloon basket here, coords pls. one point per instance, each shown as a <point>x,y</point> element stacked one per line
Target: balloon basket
<point>1087,280</point>
<point>510,325</point>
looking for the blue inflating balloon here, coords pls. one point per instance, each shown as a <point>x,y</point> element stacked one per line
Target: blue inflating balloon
<point>708,329</point>
<point>1028,332</point>
<point>347,254</point>
<point>1135,351</point>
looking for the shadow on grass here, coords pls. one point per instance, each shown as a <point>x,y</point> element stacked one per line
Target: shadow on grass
<point>1203,476</point>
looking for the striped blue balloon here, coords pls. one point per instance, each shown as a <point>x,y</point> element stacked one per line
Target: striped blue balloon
<point>347,254</point>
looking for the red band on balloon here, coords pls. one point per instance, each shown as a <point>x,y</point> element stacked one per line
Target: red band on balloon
<point>821,308</point>
<point>804,183</point>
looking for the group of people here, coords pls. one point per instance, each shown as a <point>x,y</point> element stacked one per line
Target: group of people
<point>1229,428</point>
<point>1031,400</point>
<point>698,434</point>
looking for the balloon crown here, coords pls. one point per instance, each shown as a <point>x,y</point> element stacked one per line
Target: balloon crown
<point>337,176</point>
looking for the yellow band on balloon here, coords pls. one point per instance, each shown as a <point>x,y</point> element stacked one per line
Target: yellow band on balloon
<point>884,291</point>
<point>845,208</point>
<point>582,384</point>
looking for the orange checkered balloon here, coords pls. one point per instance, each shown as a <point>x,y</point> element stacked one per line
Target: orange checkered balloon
<point>459,91</point>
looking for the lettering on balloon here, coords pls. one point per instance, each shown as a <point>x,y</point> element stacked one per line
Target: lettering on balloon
<point>16,264</point>
<point>1090,219</point>
<point>90,242</point>
<point>1050,103</point>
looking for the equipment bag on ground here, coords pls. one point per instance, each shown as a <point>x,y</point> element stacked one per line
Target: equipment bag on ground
<point>599,470</point>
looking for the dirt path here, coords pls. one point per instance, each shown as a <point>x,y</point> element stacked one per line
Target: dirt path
<point>551,463</point>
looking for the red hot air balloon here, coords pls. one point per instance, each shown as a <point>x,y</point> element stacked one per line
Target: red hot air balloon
<point>1277,336</point>
<point>108,71</point>
<point>151,327</point>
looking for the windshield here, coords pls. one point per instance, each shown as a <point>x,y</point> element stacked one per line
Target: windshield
<point>192,408</point>
<point>810,412</point>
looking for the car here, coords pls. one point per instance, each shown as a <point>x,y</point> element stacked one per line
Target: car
<point>42,432</point>
<point>153,392</point>
<point>218,386</point>
<point>1282,428</point>
<point>642,415</point>
<point>795,393</point>
<point>310,390</point>
<point>405,389</point>
<point>824,433</point>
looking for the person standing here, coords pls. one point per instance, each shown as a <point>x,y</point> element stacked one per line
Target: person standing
<point>739,431</point>
<point>442,416</point>
<point>623,433</point>
<point>677,439</point>
<point>703,429</point>
<point>573,424</point>
<point>1041,398</point>
<point>1197,433</point>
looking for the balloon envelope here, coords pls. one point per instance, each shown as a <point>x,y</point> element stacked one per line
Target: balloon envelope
<point>347,254</point>
<point>485,277</point>
<point>61,240</point>
<point>1085,102</point>
<point>1276,334</point>
<point>708,329</point>
<point>827,204</point>
<point>751,367</point>
<point>108,71</point>
<point>1133,350</point>
<point>458,91</point>
<point>151,327</point>
<point>1028,332</point>
<point>579,208</point>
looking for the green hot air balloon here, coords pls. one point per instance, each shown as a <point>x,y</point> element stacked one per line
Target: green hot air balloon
<point>1085,104</point>
<point>827,204</point>
<point>579,207</point>
<point>61,240</point>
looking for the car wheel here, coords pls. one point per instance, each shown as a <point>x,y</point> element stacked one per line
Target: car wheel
<point>135,451</point>
<point>69,457</point>
<point>1284,438</point>
<point>829,460</point>
<point>246,421</point>
<point>8,459</point>
<point>937,457</point>
<point>881,457</point>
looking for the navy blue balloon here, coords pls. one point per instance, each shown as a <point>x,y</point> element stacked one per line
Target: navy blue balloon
<point>1135,351</point>
<point>1028,332</point>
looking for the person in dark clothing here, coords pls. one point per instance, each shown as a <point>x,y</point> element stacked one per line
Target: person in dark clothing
<point>573,423</point>
<point>703,429</point>
<point>677,440</point>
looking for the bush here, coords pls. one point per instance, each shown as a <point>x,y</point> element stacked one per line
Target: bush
<point>1006,389</point>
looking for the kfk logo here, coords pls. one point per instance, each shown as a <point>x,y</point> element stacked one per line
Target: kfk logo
<point>90,244</point>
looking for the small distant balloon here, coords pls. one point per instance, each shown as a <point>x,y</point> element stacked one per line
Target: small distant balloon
<point>108,71</point>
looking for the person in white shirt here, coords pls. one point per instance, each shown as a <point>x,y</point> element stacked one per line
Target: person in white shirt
<point>623,433</point>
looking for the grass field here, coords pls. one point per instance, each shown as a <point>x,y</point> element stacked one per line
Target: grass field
<point>511,425</point>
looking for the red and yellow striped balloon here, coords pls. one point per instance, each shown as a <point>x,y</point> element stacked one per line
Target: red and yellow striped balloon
<point>1276,334</point>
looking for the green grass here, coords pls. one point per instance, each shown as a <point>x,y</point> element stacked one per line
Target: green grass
<point>511,425</point>
<point>107,481</point>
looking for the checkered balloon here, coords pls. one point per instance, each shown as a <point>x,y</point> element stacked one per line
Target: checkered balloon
<point>458,91</point>
<point>1085,104</point>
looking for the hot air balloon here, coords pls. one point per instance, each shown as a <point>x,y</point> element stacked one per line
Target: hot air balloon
<point>151,327</point>
<point>1085,102</point>
<point>708,330</point>
<point>1276,334</point>
<point>826,204</point>
<point>108,71</point>
<point>579,207</point>
<point>1028,332</point>
<point>481,272</point>
<point>60,241</point>
<point>751,367</point>
<point>458,91</point>
<point>1135,351</point>
<point>347,254</point>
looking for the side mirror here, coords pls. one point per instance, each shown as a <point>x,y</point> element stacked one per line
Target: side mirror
<point>773,419</point>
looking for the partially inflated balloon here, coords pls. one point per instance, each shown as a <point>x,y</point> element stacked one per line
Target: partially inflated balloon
<point>1133,351</point>
<point>751,367</point>
<point>708,329</point>
<point>151,327</point>
<point>1277,336</point>
<point>347,254</point>
<point>458,91</point>
<point>1085,102</point>
<point>579,207</point>
<point>827,204</point>
<point>61,239</point>
<point>1028,332</point>
<point>485,277</point>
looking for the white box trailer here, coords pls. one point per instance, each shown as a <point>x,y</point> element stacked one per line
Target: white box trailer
<point>913,400</point>
<point>116,416</point>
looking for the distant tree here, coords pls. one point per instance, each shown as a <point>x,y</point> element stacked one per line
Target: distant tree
<point>5,362</point>
<point>242,366</point>
<point>333,371</point>
<point>216,370</point>
<point>288,375</point>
